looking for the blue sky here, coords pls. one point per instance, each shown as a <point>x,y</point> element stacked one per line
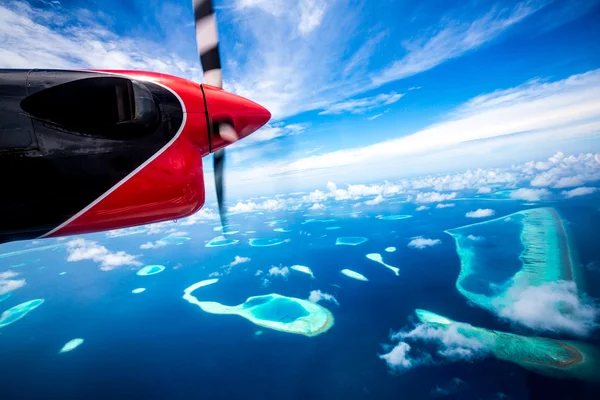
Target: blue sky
<point>360,91</point>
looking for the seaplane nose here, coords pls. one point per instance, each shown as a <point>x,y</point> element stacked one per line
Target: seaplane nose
<point>228,109</point>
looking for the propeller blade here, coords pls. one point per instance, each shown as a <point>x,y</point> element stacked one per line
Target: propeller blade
<point>207,40</point>
<point>218,163</point>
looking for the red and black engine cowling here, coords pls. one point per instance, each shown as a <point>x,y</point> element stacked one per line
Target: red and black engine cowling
<point>86,151</point>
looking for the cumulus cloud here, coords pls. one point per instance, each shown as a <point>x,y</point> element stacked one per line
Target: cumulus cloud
<point>444,205</point>
<point>316,206</point>
<point>420,242</point>
<point>239,260</point>
<point>554,307</point>
<point>152,245</point>
<point>561,171</point>
<point>530,194</point>
<point>434,197</point>
<point>82,249</point>
<point>278,204</point>
<point>279,271</point>
<point>475,238</point>
<point>398,357</point>
<point>447,345</point>
<point>203,215</point>
<point>316,295</point>
<point>480,213</point>
<point>580,191</point>
<point>375,201</point>
<point>7,284</point>
<point>484,190</point>
<point>422,208</point>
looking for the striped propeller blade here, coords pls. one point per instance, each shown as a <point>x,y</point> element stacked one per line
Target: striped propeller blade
<point>207,40</point>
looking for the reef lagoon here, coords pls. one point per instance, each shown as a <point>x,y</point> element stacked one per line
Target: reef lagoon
<point>273,311</point>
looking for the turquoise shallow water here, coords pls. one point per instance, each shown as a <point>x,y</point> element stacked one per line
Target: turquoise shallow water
<point>530,247</point>
<point>280,309</point>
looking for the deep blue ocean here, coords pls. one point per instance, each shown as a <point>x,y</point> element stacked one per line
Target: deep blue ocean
<point>155,345</point>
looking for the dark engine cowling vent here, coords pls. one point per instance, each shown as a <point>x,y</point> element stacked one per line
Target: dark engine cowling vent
<point>111,107</point>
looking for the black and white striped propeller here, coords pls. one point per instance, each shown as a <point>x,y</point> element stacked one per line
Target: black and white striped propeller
<point>207,39</point>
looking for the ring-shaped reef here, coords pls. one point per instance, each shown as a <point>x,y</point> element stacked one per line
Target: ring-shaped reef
<point>393,217</point>
<point>221,241</point>
<point>150,270</point>
<point>350,240</point>
<point>273,311</point>
<point>266,242</point>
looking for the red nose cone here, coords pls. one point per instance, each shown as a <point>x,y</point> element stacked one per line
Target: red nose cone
<point>223,107</point>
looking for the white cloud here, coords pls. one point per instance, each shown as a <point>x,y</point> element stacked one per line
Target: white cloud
<point>480,213</point>
<point>38,38</point>
<point>203,215</point>
<point>82,249</point>
<point>267,205</point>
<point>311,15</point>
<point>152,245</point>
<point>375,201</point>
<point>317,206</point>
<point>449,345</point>
<point>8,274</point>
<point>316,295</point>
<point>451,41</point>
<point>374,117</point>
<point>420,242</point>
<point>422,208</point>
<point>484,190</point>
<point>239,260</point>
<point>554,306</point>
<point>444,205</point>
<point>214,274</point>
<point>7,284</point>
<point>398,358</point>
<point>281,271</point>
<point>475,238</point>
<point>580,191</point>
<point>516,118</point>
<point>434,197</point>
<point>361,106</point>
<point>530,194</point>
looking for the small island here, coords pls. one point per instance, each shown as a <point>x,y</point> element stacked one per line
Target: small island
<point>273,311</point>
<point>71,345</point>
<point>351,240</point>
<point>19,311</point>
<point>354,275</point>
<point>377,258</point>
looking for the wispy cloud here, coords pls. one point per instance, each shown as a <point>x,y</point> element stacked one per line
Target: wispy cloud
<point>522,116</point>
<point>452,39</point>
<point>362,105</point>
<point>316,295</point>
